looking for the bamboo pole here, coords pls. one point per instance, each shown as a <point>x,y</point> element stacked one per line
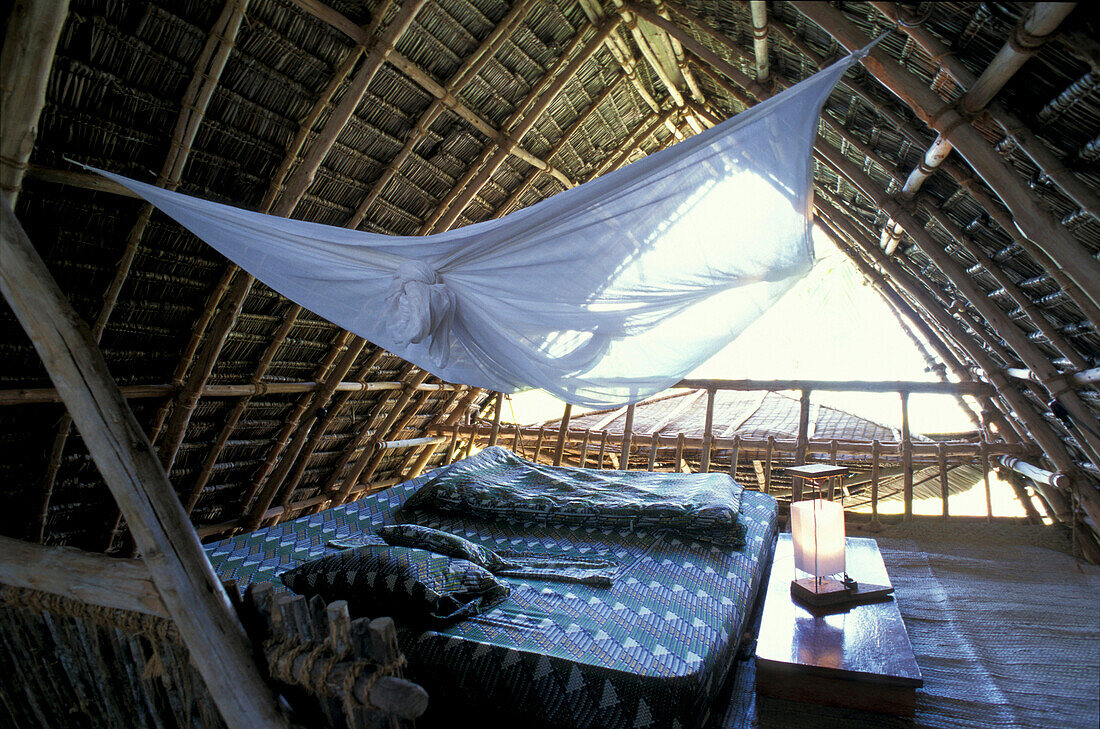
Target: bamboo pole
<point>33,29</point>
<point>875,451</point>
<point>365,461</point>
<point>1036,224</point>
<point>191,592</point>
<point>1014,128</point>
<point>538,443</point>
<point>769,449</point>
<point>654,444</point>
<point>1004,326</point>
<point>803,426</point>
<point>468,397</point>
<point>679,464</point>
<point>295,187</point>
<point>961,176</point>
<point>906,456</point>
<point>945,490</point>
<point>603,449</point>
<point>734,452</point>
<point>913,386</point>
<point>277,483</point>
<point>759,11</point>
<point>984,460</point>
<point>584,447</point>
<point>438,417</point>
<point>563,429</point>
<point>572,129</point>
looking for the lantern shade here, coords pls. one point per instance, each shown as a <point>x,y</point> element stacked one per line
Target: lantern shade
<point>817,530</point>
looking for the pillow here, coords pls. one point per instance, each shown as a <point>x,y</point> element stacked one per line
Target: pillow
<point>435,540</point>
<point>413,586</point>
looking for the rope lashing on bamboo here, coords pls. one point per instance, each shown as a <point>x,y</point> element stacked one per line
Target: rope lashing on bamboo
<point>128,621</point>
<point>283,653</point>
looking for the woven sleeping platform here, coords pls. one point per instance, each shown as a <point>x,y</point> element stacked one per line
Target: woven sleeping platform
<point>652,650</point>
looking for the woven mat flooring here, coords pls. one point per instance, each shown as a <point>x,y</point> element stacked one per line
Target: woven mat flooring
<point>1005,625</point>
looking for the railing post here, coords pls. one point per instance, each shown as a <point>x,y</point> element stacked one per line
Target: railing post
<point>603,448</point>
<point>906,456</point>
<point>733,456</point>
<point>584,448</point>
<point>803,427</point>
<point>875,447</point>
<point>495,432</point>
<point>559,448</point>
<point>538,443</point>
<point>985,478</point>
<point>941,454</point>
<point>708,428</point>
<point>768,466</point>
<point>679,452</point>
<point>654,443</point>
<point>628,434</point>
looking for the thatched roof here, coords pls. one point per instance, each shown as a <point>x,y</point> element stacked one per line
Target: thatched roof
<point>128,78</point>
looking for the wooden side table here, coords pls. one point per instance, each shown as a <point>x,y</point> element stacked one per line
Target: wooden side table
<point>860,658</point>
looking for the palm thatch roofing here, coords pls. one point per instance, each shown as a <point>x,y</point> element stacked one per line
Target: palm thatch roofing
<point>231,101</point>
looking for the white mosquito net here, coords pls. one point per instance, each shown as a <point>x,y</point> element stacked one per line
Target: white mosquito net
<point>601,295</point>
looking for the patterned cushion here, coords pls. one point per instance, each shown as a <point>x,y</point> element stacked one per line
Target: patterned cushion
<point>434,540</point>
<point>413,586</point>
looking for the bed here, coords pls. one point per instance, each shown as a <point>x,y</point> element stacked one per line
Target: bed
<point>650,651</point>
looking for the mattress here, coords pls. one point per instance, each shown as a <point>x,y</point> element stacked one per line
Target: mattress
<point>650,651</point>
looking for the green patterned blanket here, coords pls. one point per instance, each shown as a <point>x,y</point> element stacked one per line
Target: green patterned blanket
<point>497,484</point>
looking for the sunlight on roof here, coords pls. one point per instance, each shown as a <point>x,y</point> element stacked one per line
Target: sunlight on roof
<point>830,326</point>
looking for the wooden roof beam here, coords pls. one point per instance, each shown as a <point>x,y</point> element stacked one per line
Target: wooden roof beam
<point>191,592</point>
<point>469,69</point>
<point>577,123</point>
<point>1015,129</point>
<point>208,70</point>
<point>1028,36</point>
<point>1035,222</point>
<point>523,120</point>
<point>232,302</point>
<point>998,319</point>
<point>1038,428</point>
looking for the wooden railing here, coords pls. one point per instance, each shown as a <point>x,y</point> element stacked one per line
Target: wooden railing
<point>597,448</point>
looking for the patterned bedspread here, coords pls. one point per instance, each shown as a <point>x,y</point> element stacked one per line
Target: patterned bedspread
<point>650,651</point>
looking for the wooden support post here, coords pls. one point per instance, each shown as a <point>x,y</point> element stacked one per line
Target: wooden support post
<point>876,448</point>
<point>563,431</point>
<point>708,432</point>
<point>538,443</point>
<point>768,464</point>
<point>654,444</point>
<point>494,433</point>
<point>628,435</point>
<point>906,456</point>
<point>803,426</point>
<point>470,443</point>
<point>733,456</point>
<point>985,479</point>
<point>191,592</point>
<point>584,448</point>
<point>945,491</point>
<point>603,448</point>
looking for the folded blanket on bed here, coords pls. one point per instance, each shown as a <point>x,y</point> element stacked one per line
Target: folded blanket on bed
<point>557,567</point>
<point>498,484</point>
<point>413,586</point>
